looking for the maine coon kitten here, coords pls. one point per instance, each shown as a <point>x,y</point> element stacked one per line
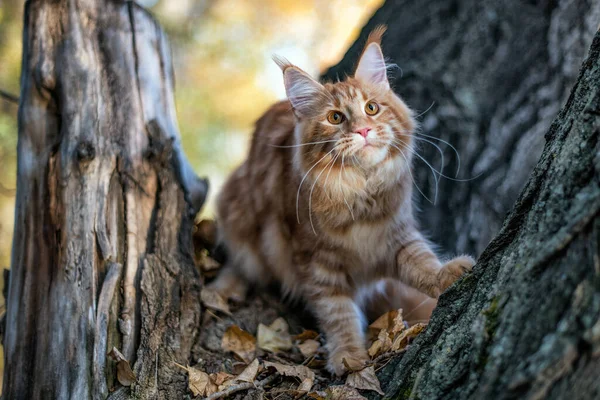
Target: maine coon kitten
<point>323,205</point>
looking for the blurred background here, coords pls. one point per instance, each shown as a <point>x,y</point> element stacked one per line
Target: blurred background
<point>225,78</point>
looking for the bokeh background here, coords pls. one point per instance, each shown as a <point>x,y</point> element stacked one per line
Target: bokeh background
<point>225,78</point>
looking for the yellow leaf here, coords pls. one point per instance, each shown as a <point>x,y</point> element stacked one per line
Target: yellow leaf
<point>381,345</point>
<point>275,337</point>
<point>401,341</point>
<point>309,347</point>
<point>364,379</point>
<point>213,300</point>
<point>240,343</point>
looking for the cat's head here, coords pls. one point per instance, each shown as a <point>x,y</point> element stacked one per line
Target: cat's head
<point>359,121</point>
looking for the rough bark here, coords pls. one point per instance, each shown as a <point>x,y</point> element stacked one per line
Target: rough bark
<point>524,324</point>
<point>492,75</point>
<point>104,209</point>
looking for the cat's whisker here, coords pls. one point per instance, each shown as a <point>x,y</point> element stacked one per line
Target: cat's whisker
<point>311,193</point>
<point>300,145</point>
<point>339,180</point>
<point>410,172</point>
<point>443,175</point>
<point>447,144</point>
<point>327,177</point>
<point>438,149</point>
<point>302,181</point>
<point>436,178</point>
<point>426,111</point>
<point>421,304</point>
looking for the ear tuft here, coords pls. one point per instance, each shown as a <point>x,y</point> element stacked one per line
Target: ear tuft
<point>371,66</point>
<point>282,62</point>
<point>303,92</point>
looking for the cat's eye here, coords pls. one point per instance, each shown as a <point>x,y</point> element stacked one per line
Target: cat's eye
<point>371,108</point>
<point>335,117</point>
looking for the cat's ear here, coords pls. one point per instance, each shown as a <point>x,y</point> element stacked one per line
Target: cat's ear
<point>371,67</point>
<point>302,90</point>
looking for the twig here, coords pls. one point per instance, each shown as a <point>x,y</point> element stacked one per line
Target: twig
<point>9,97</point>
<point>242,386</point>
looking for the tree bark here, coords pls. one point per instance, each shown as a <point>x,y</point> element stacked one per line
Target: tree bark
<point>524,324</point>
<point>105,200</point>
<point>488,77</point>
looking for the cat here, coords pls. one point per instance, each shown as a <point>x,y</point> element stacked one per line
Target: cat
<point>323,205</point>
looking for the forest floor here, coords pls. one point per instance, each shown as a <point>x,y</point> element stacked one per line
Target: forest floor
<point>265,349</point>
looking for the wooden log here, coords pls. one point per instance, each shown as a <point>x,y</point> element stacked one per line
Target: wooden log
<point>105,200</point>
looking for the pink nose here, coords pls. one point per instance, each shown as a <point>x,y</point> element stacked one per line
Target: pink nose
<point>363,132</point>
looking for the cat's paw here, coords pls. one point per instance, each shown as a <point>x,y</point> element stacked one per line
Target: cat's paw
<point>343,361</point>
<point>453,270</point>
<point>230,287</point>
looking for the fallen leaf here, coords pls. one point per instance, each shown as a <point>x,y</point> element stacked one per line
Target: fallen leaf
<point>305,335</point>
<point>309,347</point>
<point>275,337</point>
<point>317,395</point>
<point>364,379</point>
<point>397,324</point>
<point>213,300</point>
<point>305,385</point>
<point>306,376</point>
<point>249,374</point>
<point>381,345</point>
<point>199,382</point>
<point>343,393</point>
<point>391,321</point>
<point>125,375</point>
<point>240,343</point>
<point>401,341</point>
<point>221,377</point>
<point>206,262</point>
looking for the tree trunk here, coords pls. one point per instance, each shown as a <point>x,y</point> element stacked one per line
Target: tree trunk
<point>524,324</point>
<point>488,77</point>
<point>105,200</point>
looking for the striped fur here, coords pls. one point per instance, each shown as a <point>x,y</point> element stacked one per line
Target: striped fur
<point>332,221</point>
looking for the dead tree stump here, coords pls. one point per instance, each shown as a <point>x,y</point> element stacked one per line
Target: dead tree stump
<point>102,252</point>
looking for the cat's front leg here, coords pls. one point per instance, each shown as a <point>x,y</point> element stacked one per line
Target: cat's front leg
<point>418,266</point>
<point>329,296</point>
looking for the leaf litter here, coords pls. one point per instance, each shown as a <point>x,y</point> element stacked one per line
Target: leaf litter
<point>261,350</point>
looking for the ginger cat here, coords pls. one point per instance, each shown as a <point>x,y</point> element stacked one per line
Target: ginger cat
<point>323,205</point>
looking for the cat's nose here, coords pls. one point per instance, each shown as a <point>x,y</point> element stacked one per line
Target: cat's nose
<point>363,132</point>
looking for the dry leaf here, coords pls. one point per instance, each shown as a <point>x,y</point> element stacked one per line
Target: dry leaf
<point>397,324</point>
<point>381,345</point>
<point>299,371</point>
<point>275,337</point>
<point>305,335</point>
<point>390,321</point>
<point>365,379</point>
<point>249,374</point>
<point>401,341</point>
<point>125,375</point>
<point>305,385</point>
<point>317,395</point>
<point>343,393</point>
<point>213,300</point>
<point>239,342</point>
<point>199,382</point>
<point>206,262</point>
<point>309,347</point>
<point>220,378</point>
